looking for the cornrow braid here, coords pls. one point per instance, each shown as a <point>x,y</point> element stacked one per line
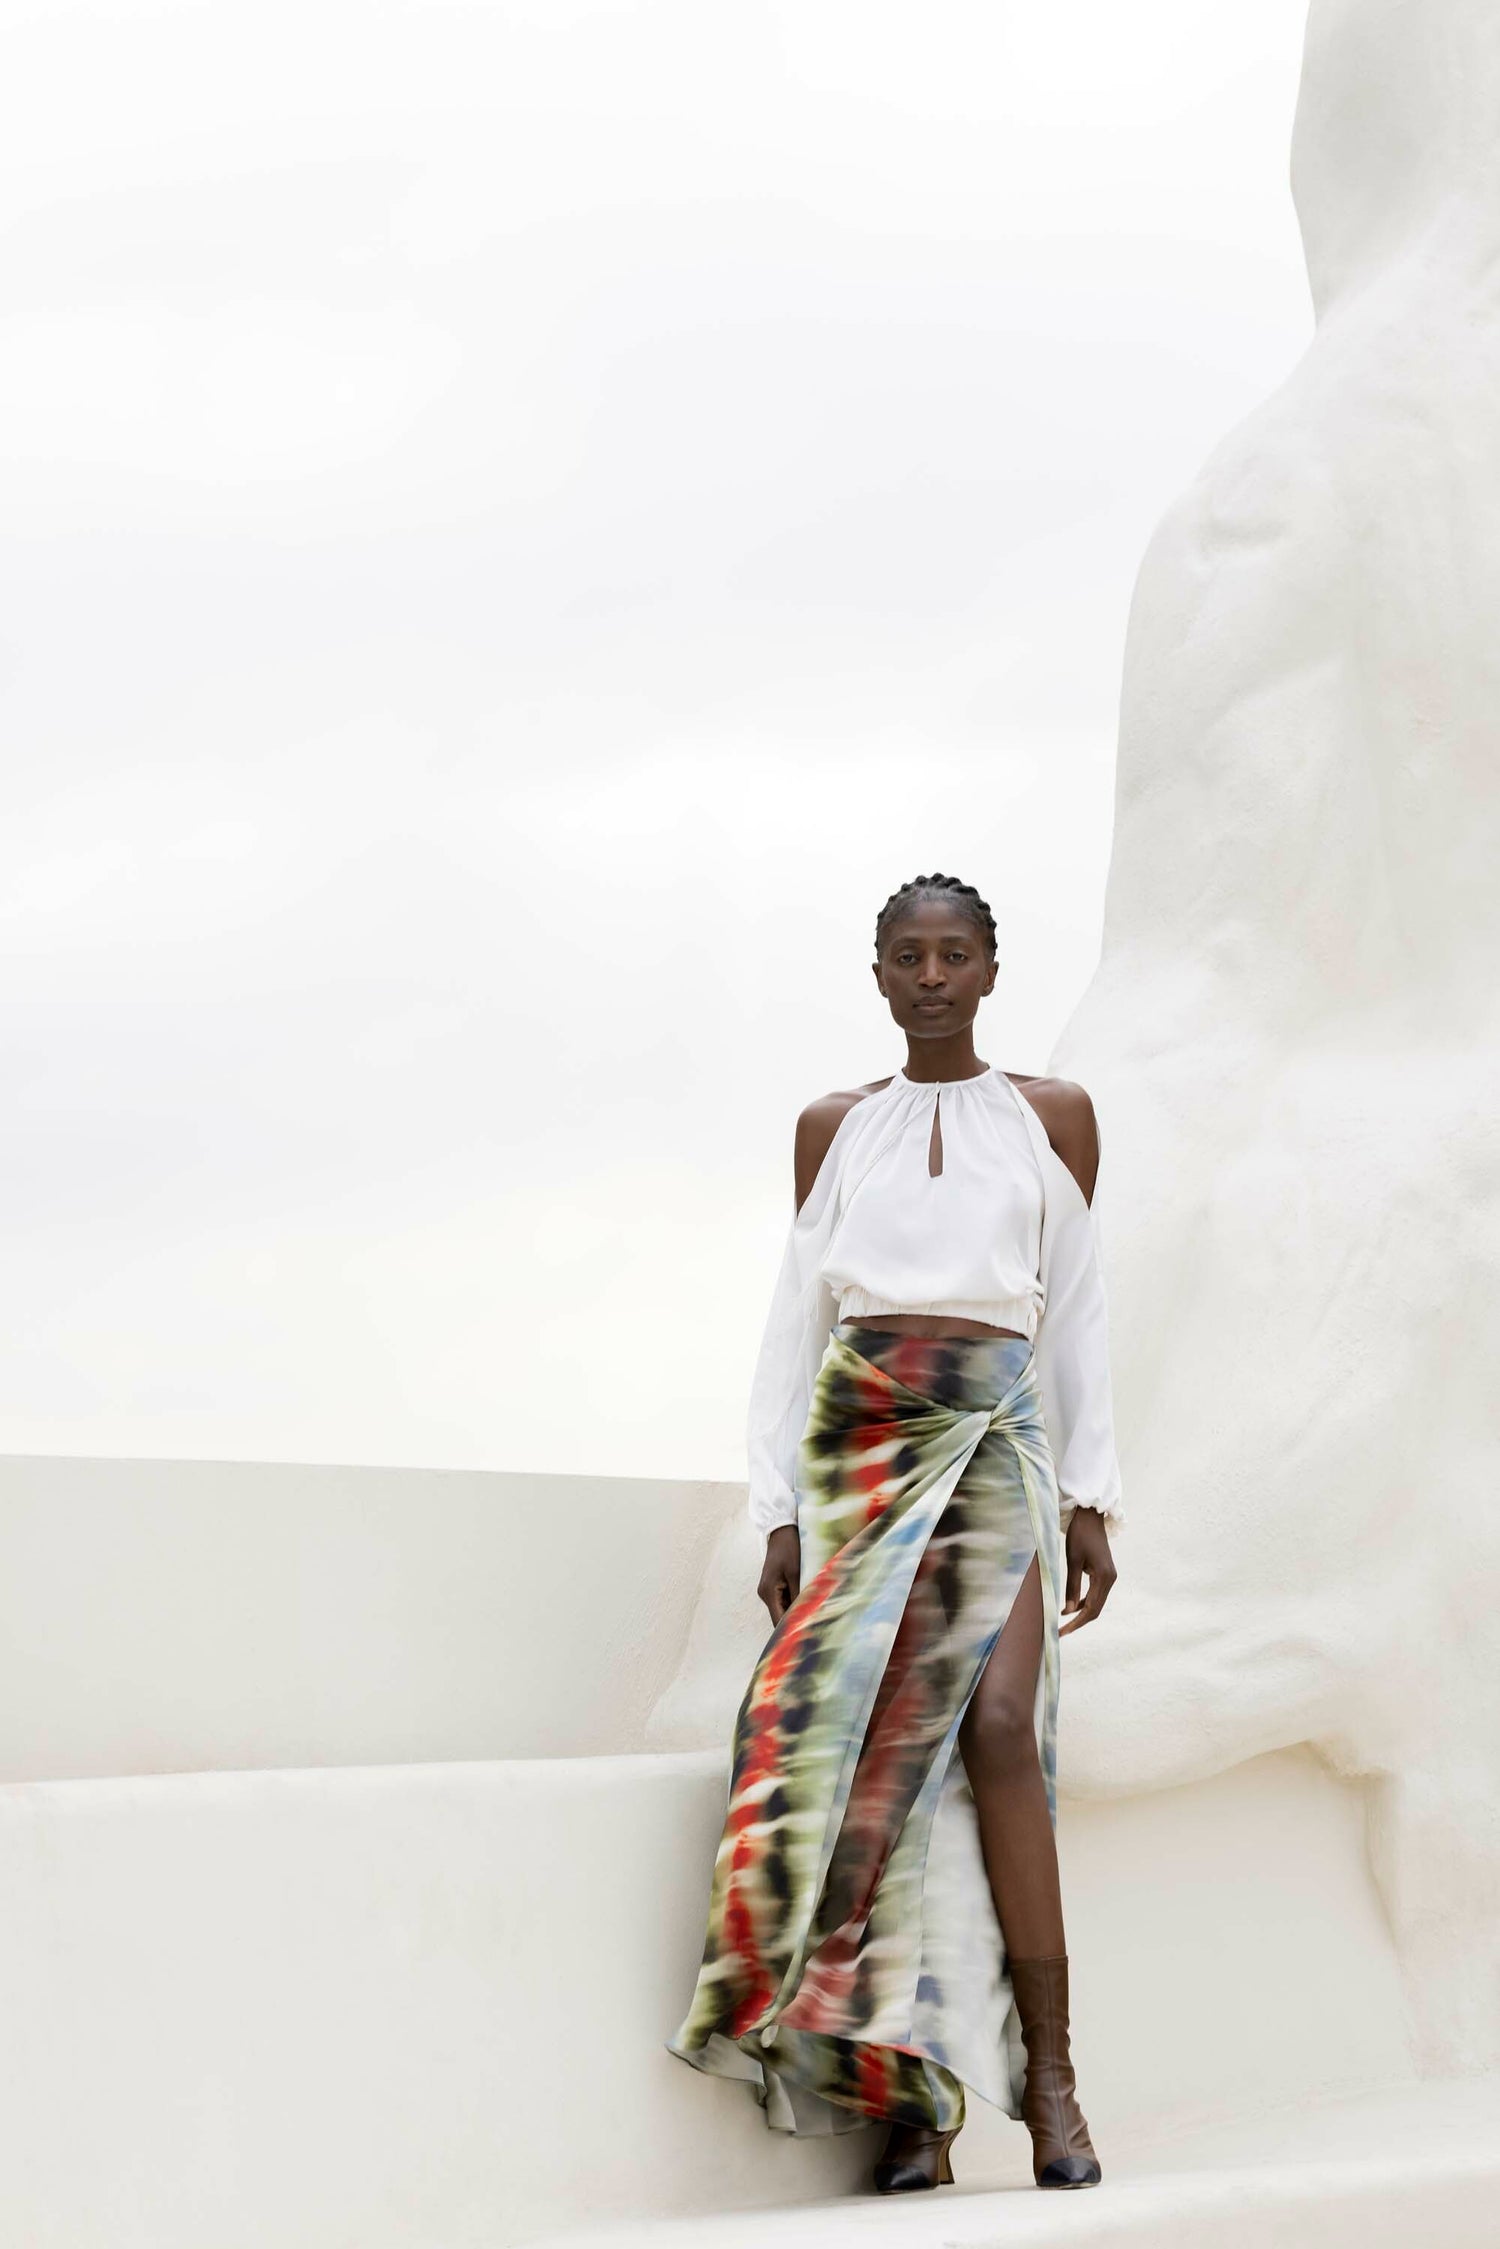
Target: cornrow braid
<point>963,894</point>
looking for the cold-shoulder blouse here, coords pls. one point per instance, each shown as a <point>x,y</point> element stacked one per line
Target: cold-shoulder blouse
<point>1000,1233</point>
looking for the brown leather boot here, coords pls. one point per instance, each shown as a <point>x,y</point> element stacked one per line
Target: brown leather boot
<point>1062,2154</point>
<point>914,2157</point>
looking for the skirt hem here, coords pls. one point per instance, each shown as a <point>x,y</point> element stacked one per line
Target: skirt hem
<point>753,2072</point>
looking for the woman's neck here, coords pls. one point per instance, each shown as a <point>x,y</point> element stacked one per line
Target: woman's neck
<point>930,1059</point>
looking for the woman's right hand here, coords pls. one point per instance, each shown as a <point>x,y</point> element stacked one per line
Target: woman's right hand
<point>781,1572</point>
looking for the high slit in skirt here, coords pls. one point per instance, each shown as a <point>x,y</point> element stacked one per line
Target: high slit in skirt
<point>854,1965</point>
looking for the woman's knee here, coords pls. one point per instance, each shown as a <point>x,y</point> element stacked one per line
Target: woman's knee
<point>998,1736</point>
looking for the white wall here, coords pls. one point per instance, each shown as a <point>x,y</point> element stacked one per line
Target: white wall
<point>171,1616</point>
<point>524,523</point>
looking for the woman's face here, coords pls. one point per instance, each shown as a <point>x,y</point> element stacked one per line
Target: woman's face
<point>934,969</point>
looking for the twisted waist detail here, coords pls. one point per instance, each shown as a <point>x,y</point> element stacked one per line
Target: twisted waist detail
<point>989,1381</point>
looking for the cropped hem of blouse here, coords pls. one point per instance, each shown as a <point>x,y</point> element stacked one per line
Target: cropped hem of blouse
<point>1002,1207</point>
<point>1020,1312</point>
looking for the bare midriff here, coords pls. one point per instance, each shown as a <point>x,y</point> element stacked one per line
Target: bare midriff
<point>928,1323</point>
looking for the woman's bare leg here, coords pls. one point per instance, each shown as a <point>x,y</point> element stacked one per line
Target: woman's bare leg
<point>998,1739</point>
<point>998,1743</point>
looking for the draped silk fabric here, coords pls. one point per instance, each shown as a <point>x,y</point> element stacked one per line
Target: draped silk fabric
<point>854,1964</point>
<point>1048,1276</point>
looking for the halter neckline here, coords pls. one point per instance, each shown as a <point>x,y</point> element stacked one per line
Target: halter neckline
<point>993,1070</point>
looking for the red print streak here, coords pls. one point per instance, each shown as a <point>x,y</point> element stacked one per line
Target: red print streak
<point>870,1475</point>
<point>761,1761</point>
<point>872,2080</point>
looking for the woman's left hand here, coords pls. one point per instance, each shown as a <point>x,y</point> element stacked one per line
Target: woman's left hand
<point>1088,1554</point>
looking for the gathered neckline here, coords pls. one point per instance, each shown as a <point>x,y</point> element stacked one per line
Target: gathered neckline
<point>994,1071</point>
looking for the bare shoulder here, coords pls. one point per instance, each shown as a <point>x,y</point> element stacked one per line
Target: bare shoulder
<point>1067,1111</point>
<point>816,1126</point>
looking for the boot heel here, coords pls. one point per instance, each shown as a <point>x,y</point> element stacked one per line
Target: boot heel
<point>924,2164</point>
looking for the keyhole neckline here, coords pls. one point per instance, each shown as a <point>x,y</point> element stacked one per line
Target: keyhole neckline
<point>937,1083</point>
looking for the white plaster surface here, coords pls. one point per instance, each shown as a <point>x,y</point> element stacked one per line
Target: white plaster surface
<point>422,2007</point>
<point>1381,2172</point>
<point>176,1616</point>
<point>1292,1035</point>
<point>728,1629</point>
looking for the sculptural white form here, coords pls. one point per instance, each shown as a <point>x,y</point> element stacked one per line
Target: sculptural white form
<point>1292,1033</point>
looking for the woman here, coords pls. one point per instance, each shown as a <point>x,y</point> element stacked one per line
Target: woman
<point>931,1427</point>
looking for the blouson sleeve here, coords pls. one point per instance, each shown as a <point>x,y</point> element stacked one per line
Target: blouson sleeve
<point>803,1314</point>
<point>1072,1354</point>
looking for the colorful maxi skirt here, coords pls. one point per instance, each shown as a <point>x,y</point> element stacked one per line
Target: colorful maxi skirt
<point>854,1965</point>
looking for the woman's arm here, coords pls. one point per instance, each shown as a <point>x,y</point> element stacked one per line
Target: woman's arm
<point>1072,1351</point>
<point>802,1316</point>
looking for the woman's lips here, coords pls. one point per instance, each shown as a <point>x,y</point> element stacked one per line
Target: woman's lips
<point>931,1007</point>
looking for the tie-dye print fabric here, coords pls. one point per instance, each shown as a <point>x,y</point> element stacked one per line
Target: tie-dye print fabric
<point>854,1965</point>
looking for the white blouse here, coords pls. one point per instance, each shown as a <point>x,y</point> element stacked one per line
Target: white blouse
<point>1001,1234</point>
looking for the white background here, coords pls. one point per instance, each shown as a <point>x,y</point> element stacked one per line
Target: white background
<point>520,525</point>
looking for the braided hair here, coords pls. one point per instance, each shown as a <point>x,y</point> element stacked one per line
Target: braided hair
<point>963,895</point>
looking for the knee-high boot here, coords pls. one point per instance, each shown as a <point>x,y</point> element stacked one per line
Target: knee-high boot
<point>1062,2153</point>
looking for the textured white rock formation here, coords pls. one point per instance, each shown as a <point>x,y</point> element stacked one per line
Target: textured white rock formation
<point>1292,1037</point>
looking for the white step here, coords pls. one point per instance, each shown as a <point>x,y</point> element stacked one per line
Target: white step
<point>208,1616</point>
<point>1392,2170</point>
<point>424,2006</point>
